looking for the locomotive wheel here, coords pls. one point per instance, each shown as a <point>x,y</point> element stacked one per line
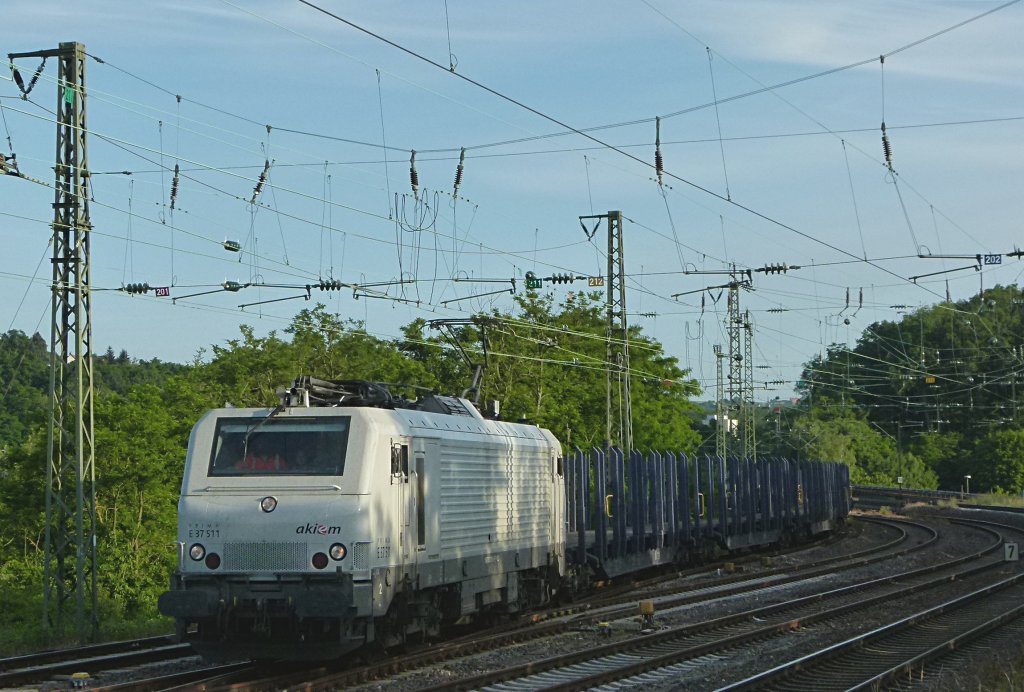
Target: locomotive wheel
<point>391,628</point>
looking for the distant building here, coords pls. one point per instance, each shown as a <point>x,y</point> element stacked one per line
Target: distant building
<point>732,423</point>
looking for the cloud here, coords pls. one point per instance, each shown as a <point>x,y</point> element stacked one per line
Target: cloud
<point>831,34</point>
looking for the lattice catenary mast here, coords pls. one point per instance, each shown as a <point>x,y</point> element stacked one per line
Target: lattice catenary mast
<point>70,558</point>
<point>618,406</point>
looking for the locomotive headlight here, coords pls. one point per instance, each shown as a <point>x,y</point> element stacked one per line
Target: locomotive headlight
<point>268,504</point>
<point>338,551</point>
<point>197,551</point>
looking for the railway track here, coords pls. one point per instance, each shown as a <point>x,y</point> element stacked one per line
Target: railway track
<point>19,670</point>
<point>888,653</point>
<point>92,659</point>
<point>907,654</point>
<point>903,651</point>
<point>909,536</point>
<point>664,655</point>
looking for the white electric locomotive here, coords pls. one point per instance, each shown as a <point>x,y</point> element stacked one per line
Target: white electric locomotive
<point>346,516</point>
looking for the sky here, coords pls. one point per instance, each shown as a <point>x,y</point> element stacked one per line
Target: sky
<point>770,115</point>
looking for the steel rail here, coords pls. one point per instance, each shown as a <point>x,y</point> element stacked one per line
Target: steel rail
<point>558,625</point>
<point>645,653</point>
<point>924,629</point>
<point>39,658</point>
<point>192,679</point>
<point>92,664</point>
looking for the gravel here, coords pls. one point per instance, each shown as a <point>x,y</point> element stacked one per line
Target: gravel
<point>709,672</point>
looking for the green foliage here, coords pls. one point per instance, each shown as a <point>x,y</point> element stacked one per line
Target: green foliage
<point>21,601</point>
<point>943,453</point>
<point>872,456</point>
<point>22,496</point>
<point>998,500</point>
<point>121,373</point>
<point>140,453</point>
<point>546,364</point>
<point>1002,452</point>
<point>942,380</point>
<point>24,386</point>
<point>25,381</point>
<point>248,371</point>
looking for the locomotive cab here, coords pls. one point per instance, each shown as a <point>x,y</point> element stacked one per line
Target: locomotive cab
<point>273,527</point>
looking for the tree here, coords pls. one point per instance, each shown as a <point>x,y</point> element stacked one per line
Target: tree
<point>140,452</point>
<point>998,461</point>
<point>24,386</point>
<point>944,454</point>
<point>950,370</point>
<point>871,455</point>
<point>547,365</point>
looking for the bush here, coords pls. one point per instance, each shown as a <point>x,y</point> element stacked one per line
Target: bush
<point>21,602</point>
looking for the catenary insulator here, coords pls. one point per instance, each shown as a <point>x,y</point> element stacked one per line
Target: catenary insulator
<point>659,163</point>
<point>886,146</point>
<point>174,186</point>
<point>259,183</point>
<point>414,178</point>
<point>26,90</point>
<point>458,172</point>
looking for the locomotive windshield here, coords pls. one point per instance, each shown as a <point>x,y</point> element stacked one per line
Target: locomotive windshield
<point>280,446</point>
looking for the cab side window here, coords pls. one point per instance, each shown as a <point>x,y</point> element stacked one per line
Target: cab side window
<point>399,463</point>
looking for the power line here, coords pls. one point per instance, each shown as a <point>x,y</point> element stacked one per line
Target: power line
<point>505,155</point>
<point>735,97</point>
<point>611,147</point>
<point>126,145</point>
<point>569,130</point>
<point>565,150</point>
<point>607,146</point>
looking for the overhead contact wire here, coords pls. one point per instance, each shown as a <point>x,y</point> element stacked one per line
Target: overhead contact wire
<point>558,122</point>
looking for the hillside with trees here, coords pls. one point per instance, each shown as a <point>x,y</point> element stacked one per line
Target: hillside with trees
<point>931,396</point>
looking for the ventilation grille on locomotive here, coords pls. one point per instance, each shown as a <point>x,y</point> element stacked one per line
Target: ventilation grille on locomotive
<point>265,556</point>
<point>361,556</point>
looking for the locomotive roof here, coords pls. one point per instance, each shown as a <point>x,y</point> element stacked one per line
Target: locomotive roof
<point>310,392</point>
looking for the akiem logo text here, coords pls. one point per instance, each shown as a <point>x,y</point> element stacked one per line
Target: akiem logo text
<point>322,529</point>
